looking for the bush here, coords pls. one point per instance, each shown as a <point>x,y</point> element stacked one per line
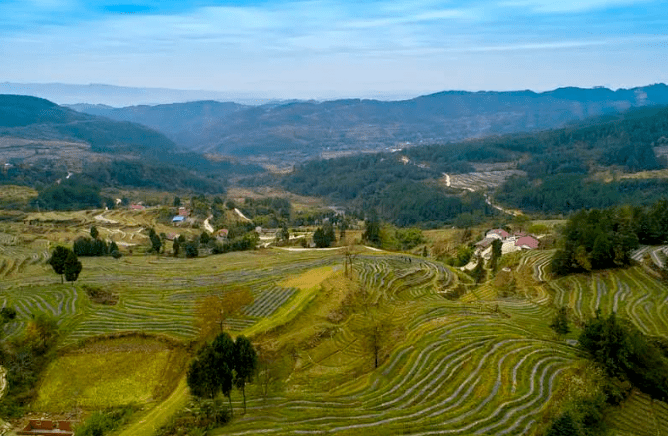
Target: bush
<point>101,423</point>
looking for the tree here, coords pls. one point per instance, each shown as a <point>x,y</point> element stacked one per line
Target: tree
<point>57,261</point>
<point>496,254</point>
<point>192,249</point>
<point>372,232</point>
<point>72,267</point>
<point>283,235</point>
<point>233,301</point>
<point>560,321</point>
<point>565,425</point>
<point>202,378</point>
<point>177,202</point>
<point>176,246</point>
<point>330,235</point>
<point>478,272</point>
<point>156,243</point>
<point>245,364</point>
<point>223,347</point>
<point>41,332</point>
<point>350,255</point>
<point>94,233</point>
<point>321,239</point>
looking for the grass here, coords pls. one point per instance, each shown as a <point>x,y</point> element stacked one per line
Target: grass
<point>115,372</point>
<point>308,279</point>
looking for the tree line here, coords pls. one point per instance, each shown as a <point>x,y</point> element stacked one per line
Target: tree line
<point>599,239</point>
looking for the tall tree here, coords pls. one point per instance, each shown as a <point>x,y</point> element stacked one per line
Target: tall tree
<point>57,261</point>
<point>156,243</point>
<point>72,267</point>
<point>94,233</point>
<point>560,321</point>
<point>245,364</point>
<point>223,346</point>
<point>372,231</point>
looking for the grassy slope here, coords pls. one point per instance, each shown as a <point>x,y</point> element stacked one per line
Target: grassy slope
<point>480,364</point>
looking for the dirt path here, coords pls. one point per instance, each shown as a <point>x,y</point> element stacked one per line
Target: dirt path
<point>208,226</point>
<point>244,217</point>
<point>100,217</point>
<point>160,414</point>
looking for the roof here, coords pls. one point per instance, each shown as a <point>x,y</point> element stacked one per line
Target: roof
<point>178,218</point>
<point>527,241</point>
<point>499,232</point>
<point>485,242</point>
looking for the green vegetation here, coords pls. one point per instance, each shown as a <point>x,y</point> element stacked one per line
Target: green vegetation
<point>599,239</point>
<point>71,195</point>
<point>220,365</point>
<point>101,423</point>
<point>110,373</point>
<point>626,353</point>
<point>25,359</point>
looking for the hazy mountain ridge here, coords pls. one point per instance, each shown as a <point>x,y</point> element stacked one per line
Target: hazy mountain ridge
<point>309,127</point>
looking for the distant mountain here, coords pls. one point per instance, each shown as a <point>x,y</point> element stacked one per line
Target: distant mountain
<point>32,118</point>
<point>301,130</point>
<point>119,96</point>
<point>41,141</point>
<point>181,122</point>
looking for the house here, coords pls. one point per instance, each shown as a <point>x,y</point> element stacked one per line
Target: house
<point>172,236</point>
<point>137,207</point>
<point>179,219</point>
<point>527,243</point>
<point>221,234</point>
<point>497,234</point>
<point>47,427</point>
<point>485,242</point>
<point>183,211</point>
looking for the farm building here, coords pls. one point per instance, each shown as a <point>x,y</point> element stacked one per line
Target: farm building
<point>183,211</point>
<point>221,234</point>
<point>137,207</point>
<point>47,427</point>
<point>527,243</point>
<point>179,219</point>
<point>497,234</point>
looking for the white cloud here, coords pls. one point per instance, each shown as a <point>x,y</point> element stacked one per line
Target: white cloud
<point>569,6</point>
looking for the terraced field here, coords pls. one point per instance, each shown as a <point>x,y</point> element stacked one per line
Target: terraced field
<point>156,295</point>
<point>481,364</point>
<point>629,292</point>
<point>657,254</point>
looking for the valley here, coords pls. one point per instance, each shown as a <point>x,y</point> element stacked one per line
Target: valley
<point>482,361</point>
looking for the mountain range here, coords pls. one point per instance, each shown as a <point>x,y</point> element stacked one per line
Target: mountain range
<point>306,129</point>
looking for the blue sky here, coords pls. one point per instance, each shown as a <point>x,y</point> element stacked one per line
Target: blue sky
<point>321,48</point>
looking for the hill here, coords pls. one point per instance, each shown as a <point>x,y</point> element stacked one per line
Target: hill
<point>311,129</point>
<point>552,171</point>
<point>38,119</point>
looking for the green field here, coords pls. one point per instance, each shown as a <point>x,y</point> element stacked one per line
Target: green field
<point>110,373</point>
<point>482,363</point>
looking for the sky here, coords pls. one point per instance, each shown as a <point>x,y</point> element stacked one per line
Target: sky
<point>325,49</point>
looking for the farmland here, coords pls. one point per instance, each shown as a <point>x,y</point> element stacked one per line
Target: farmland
<point>481,362</point>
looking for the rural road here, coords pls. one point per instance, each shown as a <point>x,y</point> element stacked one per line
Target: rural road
<point>105,220</point>
<point>208,226</point>
<point>241,214</point>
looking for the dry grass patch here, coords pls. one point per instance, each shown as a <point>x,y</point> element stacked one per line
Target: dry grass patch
<point>309,279</point>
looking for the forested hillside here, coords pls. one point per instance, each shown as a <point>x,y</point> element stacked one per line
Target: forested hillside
<point>307,129</point>
<point>559,164</point>
<point>41,143</point>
